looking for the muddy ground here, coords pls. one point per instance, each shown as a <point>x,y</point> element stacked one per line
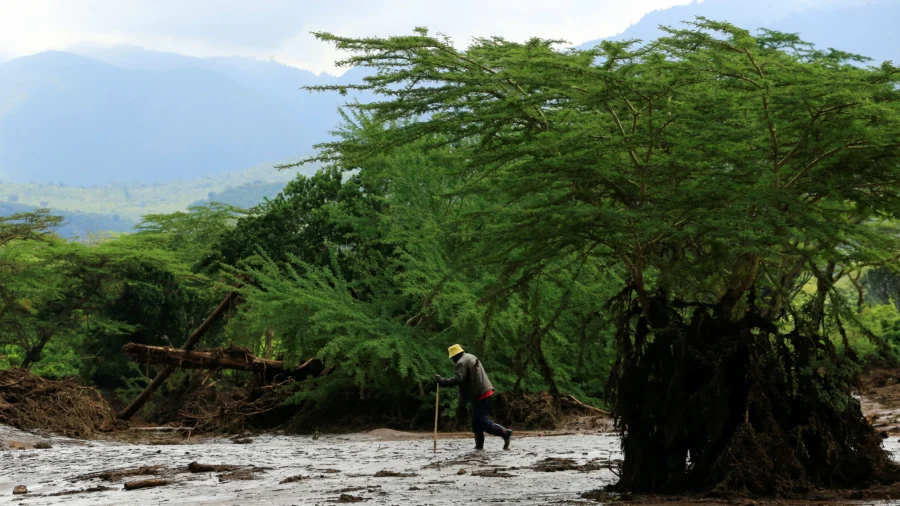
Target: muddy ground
<point>383,467</point>
<point>377,467</point>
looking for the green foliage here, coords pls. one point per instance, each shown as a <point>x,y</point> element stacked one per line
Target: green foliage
<point>68,307</point>
<point>719,173</point>
<point>372,271</point>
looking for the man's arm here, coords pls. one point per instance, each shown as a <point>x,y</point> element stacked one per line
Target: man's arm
<point>460,376</point>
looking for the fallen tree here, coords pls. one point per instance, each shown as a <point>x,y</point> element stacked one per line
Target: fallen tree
<point>231,357</point>
<point>164,374</point>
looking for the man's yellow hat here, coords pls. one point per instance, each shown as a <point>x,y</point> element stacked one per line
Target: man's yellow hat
<point>454,350</point>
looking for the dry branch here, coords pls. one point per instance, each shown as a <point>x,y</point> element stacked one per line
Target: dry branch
<point>232,357</point>
<point>134,485</point>
<point>573,401</point>
<point>163,375</point>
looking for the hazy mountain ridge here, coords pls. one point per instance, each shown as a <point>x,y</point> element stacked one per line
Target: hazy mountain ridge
<point>868,28</point>
<point>172,130</point>
<point>70,119</point>
<point>126,114</point>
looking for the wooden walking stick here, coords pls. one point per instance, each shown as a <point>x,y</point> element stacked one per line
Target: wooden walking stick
<point>437,402</point>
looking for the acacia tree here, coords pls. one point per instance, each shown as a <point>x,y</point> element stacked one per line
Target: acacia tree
<point>368,272</point>
<point>720,171</point>
<point>68,296</point>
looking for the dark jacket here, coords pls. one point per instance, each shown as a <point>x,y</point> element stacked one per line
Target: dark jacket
<point>470,376</point>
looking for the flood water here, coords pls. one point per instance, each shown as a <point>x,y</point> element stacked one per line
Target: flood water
<point>336,466</point>
<point>335,469</point>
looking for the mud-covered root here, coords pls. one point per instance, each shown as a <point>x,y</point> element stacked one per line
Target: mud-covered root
<point>750,461</point>
<point>774,463</point>
<point>707,404</point>
<point>60,406</point>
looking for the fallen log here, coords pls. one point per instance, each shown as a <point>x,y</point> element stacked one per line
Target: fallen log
<point>232,357</point>
<point>134,485</point>
<point>164,374</point>
<point>196,467</point>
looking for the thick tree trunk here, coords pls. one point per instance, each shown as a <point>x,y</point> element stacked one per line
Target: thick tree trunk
<point>163,375</point>
<point>234,358</point>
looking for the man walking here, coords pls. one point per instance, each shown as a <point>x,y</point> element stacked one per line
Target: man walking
<point>475,388</point>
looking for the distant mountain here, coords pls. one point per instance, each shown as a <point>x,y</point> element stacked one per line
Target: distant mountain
<point>866,28</point>
<point>101,115</point>
<point>79,121</point>
<point>244,196</point>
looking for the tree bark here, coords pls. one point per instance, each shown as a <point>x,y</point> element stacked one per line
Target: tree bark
<point>220,358</point>
<point>135,485</point>
<point>160,378</point>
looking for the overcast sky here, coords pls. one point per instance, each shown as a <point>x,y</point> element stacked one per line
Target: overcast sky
<point>280,29</point>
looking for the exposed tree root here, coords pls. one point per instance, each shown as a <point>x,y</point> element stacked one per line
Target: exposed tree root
<point>704,403</point>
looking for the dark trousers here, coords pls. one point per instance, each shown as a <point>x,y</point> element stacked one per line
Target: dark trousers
<point>481,419</point>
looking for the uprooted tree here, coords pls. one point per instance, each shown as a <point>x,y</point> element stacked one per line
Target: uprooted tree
<point>735,179</point>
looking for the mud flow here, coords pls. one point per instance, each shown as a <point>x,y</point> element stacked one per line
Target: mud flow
<point>379,467</point>
<point>374,468</point>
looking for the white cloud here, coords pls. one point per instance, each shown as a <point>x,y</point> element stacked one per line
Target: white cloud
<point>280,29</point>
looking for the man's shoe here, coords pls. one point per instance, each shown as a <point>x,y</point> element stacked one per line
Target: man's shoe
<point>506,439</point>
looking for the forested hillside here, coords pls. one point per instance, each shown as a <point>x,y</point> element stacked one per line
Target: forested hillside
<point>117,208</point>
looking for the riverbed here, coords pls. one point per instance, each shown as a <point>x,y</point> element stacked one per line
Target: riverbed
<point>381,467</point>
<point>375,468</point>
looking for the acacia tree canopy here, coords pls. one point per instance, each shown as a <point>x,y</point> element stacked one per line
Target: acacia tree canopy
<point>718,170</point>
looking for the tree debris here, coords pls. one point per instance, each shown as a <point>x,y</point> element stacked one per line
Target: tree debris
<point>244,474</point>
<point>196,467</point>
<point>98,488</point>
<point>118,474</point>
<point>394,474</point>
<point>134,485</point>
<point>163,375</point>
<point>60,406</point>
<point>231,357</point>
